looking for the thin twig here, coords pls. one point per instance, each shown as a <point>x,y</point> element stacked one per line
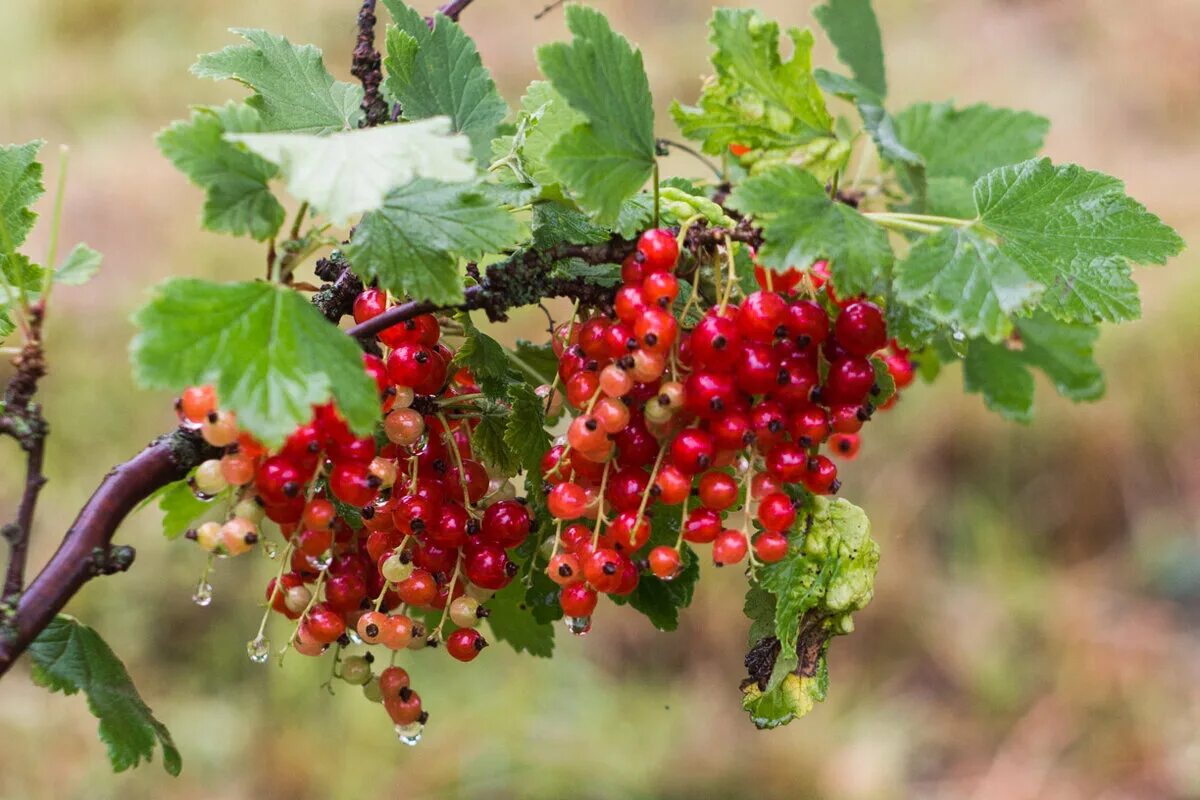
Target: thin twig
<point>549,7</point>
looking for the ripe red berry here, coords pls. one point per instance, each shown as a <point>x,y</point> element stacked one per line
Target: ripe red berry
<point>672,485</point>
<point>353,484</point>
<point>626,487</point>
<point>901,369</point>
<point>820,476</point>
<point>392,680</point>
<point>692,450</point>
<point>849,380</point>
<point>324,624</point>
<point>659,250</point>
<point>369,304</point>
<point>770,546</point>
<point>787,462</point>
<point>578,600</point>
<point>729,548</point>
<point>782,282</point>
<point>564,569</point>
<point>487,566</point>
<point>506,523</point>
<point>418,589</point>
<point>665,562</point>
<point>278,481</point>
<point>566,500</point>
<point>602,569</point>
<point>702,525</point>
<point>630,532</point>
<point>845,445</point>
<point>807,323</point>
<point>417,366</point>
<point>465,643</point>
<point>716,343</point>
<point>860,328</point>
<point>776,512</point>
<point>760,315</point>
<point>718,490</point>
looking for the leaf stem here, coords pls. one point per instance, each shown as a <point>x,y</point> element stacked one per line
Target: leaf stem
<point>656,197</point>
<point>524,365</point>
<point>56,220</point>
<point>888,221</point>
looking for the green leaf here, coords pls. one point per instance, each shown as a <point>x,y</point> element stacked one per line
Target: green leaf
<point>20,186</point>
<point>547,117</point>
<point>967,143</point>
<point>557,223</point>
<point>1064,351</point>
<point>606,275</point>
<point>540,357</point>
<point>18,272</point>
<point>412,244</point>
<point>756,99</point>
<point>349,172</point>
<point>880,125</point>
<point>526,433</point>
<point>293,90</point>
<point>610,156</point>
<point>513,621</point>
<point>79,266</point>
<point>830,569</point>
<point>854,31</point>
<point>269,353</point>
<point>485,357</point>
<point>1000,375</point>
<point>180,508</point>
<point>69,657</point>
<point>237,198</point>
<point>542,598</point>
<point>662,600</point>
<point>965,281</point>
<point>487,442</point>
<point>801,225</point>
<point>792,698</point>
<point>442,76</point>
<point>1067,226</point>
<point>760,609</point>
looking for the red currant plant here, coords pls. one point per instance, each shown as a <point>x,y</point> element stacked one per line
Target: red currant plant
<point>728,335</point>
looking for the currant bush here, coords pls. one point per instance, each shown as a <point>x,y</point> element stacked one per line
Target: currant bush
<point>716,354</point>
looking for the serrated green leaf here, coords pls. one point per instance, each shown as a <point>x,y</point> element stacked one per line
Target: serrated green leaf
<point>881,127</point>
<point>966,143</point>
<point>951,197</point>
<point>485,357</point>
<point>854,31</point>
<point>1064,351</point>
<point>487,443</point>
<point>412,244</point>
<point>18,272</point>
<point>606,275</point>
<point>555,223</point>
<point>801,225</point>
<point>69,657</point>
<point>542,598</point>
<point>237,198</point>
<point>610,156</point>
<point>270,354</point>
<point>884,382</point>
<point>965,281</point>
<point>760,609</point>
<point>540,357</point>
<point>347,173</point>
<point>79,266</point>
<point>294,91</point>
<point>1067,226</point>
<point>756,99</point>
<point>548,116</point>
<point>442,76</point>
<point>1000,375</point>
<point>20,186</point>
<point>660,601</point>
<point>526,433</point>
<point>512,620</point>
<point>180,508</point>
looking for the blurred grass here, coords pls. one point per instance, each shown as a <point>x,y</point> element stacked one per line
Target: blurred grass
<point>1035,629</point>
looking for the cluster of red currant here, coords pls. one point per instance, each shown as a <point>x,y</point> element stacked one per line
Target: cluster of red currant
<point>733,411</point>
<point>401,539</point>
<point>382,536</point>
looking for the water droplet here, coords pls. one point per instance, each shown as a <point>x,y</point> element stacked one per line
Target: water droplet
<point>410,734</point>
<point>203,595</point>
<point>259,649</point>
<point>353,634</point>
<point>579,626</point>
<point>270,548</point>
<point>324,561</point>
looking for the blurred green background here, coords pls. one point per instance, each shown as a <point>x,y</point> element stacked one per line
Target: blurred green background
<point>1036,631</point>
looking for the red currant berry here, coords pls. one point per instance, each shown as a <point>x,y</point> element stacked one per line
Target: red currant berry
<point>820,476</point>
<point>353,484</point>
<point>692,450</point>
<point>564,569</point>
<point>849,380</point>
<point>845,445</point>
<point>659,250</point>
<point>465,643</point>
<point>782,282</point>
<point>578,600</point>
<point>602,569</point>
<point>566,501</point>
<point>716,343</point>
<point>344,593</point>
<point>418,589</point>
<point>807,323</point>
<point>729,548</point>
<point>776,512</point>
<point>506,523</point>
<point>487,566</point>
<point>702,525</point>
<point>665,562</point>
<point>279,481</point>
<point>770,546</point>
<point>718,490</point>
<point>417,366</point>
<point>761,315</point>
<point>901,369</point>
<point>860,328</point>
<point>324,624</point>
<point>787,462</point>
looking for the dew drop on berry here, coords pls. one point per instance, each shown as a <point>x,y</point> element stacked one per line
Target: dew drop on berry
<point>578,626</point>
<point>203,594</point>
<point>410,734</point>
<point>259,649</point>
